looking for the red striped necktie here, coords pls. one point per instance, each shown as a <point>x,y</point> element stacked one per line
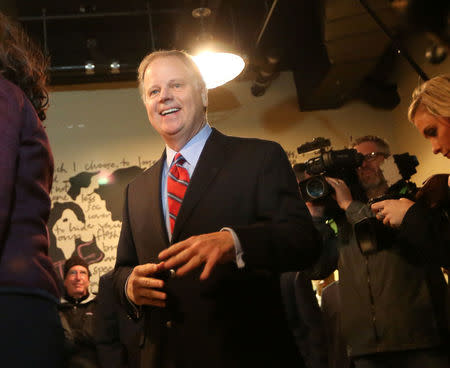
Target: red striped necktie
<point>177,183</point>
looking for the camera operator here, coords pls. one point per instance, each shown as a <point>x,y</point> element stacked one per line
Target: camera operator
<point>322,210</point>
<point>427,218</point>
<point>393,307</point>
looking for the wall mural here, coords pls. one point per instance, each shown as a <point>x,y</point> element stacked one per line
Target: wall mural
<point>86,214</point>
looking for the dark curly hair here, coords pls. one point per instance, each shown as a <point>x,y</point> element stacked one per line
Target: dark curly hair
<point>23,63</point>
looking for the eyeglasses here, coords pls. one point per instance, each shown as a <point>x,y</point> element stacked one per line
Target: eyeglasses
<point>73,273</point>
<point>373,155</point>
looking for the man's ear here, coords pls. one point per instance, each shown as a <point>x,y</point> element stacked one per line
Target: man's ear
<point>204,94</point>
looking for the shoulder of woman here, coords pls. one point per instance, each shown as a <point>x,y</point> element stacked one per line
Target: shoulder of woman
<point>11,93</point>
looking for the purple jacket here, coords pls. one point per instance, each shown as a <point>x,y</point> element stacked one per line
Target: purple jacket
<point>26,173</point>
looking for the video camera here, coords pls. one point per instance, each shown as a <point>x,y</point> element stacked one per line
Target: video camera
<point>371,234</point>
<point>334,163</point>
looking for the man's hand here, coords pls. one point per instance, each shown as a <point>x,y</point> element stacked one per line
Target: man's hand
<point>343,194</point>
<point>142,288</point>
<point>207,249</point>
<point>392,211</point>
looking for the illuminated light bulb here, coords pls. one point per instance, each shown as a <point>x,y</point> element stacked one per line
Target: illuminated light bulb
<point>115,67</point>
<point>89,67</point>
<point>218,68</point>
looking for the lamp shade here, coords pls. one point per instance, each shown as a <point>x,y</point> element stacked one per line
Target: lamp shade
<point>218,68</point>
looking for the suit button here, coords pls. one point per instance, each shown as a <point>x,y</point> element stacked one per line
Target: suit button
<point>169,324</point>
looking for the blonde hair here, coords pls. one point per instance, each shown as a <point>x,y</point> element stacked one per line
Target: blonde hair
<point>434,95</point>
<point>180,55</point>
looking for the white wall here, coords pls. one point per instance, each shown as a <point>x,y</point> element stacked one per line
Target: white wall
<point>115,123</point>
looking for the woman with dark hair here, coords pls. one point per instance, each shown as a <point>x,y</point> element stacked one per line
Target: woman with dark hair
<point>32,335</point>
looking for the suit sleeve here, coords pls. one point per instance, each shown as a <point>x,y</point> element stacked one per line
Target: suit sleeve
<point>110,351</point>
<point>10,128</point>
<point>283,237</point>
<point>126,260</point>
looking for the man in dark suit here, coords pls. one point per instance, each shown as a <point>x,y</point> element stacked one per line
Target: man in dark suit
<point>117,336</point>
<point>237,224</point>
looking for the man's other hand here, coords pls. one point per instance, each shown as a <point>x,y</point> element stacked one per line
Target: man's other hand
<point>143,289</point>
<point>208,249</point>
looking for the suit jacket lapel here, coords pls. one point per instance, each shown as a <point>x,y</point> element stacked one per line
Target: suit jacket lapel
<point>156,233</point>
<point>210,162</point>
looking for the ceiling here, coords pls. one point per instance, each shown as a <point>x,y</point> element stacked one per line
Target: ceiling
<point>101,31</point>
<point>325,43</point>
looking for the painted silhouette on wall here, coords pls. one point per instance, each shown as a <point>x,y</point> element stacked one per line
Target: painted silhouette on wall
<point>70,234</point>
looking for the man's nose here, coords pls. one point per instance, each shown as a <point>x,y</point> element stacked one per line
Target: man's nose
<point>165,94</point>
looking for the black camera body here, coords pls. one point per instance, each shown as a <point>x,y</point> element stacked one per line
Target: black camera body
<point>334,163</point>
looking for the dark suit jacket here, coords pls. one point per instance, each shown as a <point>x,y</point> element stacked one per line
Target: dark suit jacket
<point>305,318</point>
<point>331,309</point>
<point>117,336</point>
<point>235,318</point>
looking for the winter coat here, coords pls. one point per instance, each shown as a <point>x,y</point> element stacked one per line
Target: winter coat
<point>77,318</point>
<point>391,300</point>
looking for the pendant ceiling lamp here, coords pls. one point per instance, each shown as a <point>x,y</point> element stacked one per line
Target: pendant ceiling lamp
<point>217,64</point>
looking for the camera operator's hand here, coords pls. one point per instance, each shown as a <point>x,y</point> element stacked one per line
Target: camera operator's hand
<point>343,194</point>
<point>392,211</point>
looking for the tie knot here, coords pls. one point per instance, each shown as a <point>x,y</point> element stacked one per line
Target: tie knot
<point>178,159</point>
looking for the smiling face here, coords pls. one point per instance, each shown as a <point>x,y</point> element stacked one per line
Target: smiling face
<point>434,128</point>
<point>77,281</point>
<point>174,100</point>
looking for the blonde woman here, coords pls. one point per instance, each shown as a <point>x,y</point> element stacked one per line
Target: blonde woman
<point>430,113</point>
<point>425,223</point>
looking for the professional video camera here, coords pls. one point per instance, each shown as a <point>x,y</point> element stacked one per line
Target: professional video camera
<point>397,171</point>
<point>371,234</point>
<point>334,163</point>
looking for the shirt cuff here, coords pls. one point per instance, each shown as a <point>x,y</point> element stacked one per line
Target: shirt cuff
<point>237,247</point>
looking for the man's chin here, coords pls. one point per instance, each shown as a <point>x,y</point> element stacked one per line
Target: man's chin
<point>370,183</point>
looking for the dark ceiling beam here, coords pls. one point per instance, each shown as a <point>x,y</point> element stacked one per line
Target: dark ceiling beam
<point>266,22</point>
<point>98,15</point>
<point>214,5</point>
<point>398,45</point>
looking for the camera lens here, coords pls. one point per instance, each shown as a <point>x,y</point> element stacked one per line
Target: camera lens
<point>315,188</point>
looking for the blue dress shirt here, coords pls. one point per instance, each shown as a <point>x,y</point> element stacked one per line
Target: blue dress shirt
<point>191,153</point>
